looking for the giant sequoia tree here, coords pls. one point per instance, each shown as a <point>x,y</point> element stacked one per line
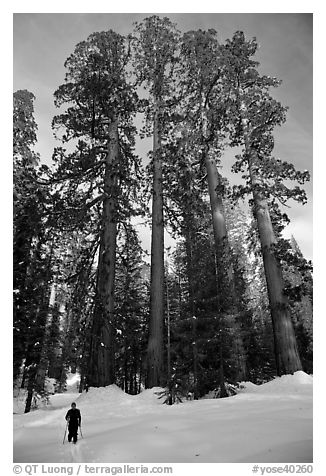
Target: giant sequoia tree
<point>254,114</point>
<point>204,106</point>
<point>155,48</point>
<point>100,118</point>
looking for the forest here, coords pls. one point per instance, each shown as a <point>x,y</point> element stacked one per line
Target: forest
<point>232,300</point>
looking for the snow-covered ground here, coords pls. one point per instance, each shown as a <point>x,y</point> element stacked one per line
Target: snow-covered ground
<point>267,423</point>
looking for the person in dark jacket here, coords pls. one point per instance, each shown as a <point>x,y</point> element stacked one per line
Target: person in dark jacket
<point>73,418</point>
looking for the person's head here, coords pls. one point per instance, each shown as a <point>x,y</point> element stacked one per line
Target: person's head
<point>73,405</point>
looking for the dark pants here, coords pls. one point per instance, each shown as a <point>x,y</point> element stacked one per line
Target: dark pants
<point>73,431</point>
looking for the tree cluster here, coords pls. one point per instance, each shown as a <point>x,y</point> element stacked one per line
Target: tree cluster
<point>233,301</point>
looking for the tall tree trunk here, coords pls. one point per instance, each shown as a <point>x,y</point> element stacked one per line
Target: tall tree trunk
<point>285,345</point>
<point>225,281</point>
<point>155,342</point>
<point>101,368</point>
<point>226,297</point>
<point>222,250</point>
<point>223,268</point>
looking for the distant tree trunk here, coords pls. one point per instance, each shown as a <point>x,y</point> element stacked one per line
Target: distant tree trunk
<point>50,355</point>
<point>155,342</point>
<point>68,333</point>
<point>125,366</point>
<point>135,374</point>
<point>30,388</point>
<point>190,273</point>
<point>195,356</point>
<point>169,374</point>
<point>240,355</point>
<point>101,368</point>
<point>140,381</point>
<point>285,345</point>
<point>223,392</point>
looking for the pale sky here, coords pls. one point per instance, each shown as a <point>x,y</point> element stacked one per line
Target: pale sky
<point>42,42</point>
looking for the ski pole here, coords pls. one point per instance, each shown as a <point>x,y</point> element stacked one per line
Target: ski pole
<point>65,434</point>
<point>81,433</point>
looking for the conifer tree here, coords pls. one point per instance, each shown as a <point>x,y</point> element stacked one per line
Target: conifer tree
<point>155,47</point>
<point>184,208</point>
<point>100,119</point>
<point>254,114</point>
<point>205,108</point>
<point>27,212</point>
<point>32,257</point>
<point>132,312</point>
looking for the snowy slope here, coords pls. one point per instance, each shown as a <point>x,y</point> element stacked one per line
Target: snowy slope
<point>266,423</point>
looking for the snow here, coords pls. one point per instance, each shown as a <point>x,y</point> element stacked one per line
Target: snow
<point>263,423</point>
<point>282,385</point>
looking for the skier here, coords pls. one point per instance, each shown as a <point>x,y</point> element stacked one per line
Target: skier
<point>73,418</point>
